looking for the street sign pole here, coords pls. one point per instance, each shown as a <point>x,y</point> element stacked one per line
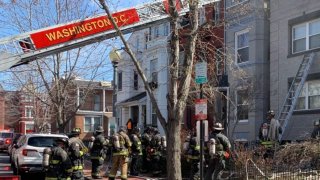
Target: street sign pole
<point>201,78</point>
<point>201,138</point>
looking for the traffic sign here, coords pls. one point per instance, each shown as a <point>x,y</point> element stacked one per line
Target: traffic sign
<point>201,109</point>
<point>206,134</point>
<point>201,72</point>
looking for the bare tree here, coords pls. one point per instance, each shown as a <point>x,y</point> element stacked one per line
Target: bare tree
<point>54,76</point>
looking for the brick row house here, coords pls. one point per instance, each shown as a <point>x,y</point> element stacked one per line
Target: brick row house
<point>94,99</point>
<point>21,110</point>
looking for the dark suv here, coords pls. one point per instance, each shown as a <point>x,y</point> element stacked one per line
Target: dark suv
<point>5,140</point>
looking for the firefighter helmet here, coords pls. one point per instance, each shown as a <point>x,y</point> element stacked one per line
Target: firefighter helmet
<point>76,131</point>
<point>271,112</point>
<point>136,130</point>
<point>99,129</point>
<point>123,129</point>
<point>218,126</point>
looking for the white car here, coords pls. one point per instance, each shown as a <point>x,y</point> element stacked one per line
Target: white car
<point>28,155</point>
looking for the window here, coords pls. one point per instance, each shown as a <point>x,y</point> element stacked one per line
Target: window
<point>153,70</point>
<point>137,44</point>
<point>202,16</point>
<point>242,105</point>
<point>242,46</point>
<point>97,102</point>
<point>27,98</point>
<point>166,29</point>
<point>154,117</point>
<point>230,3</point>
<point>156,32</point>
<point>120,81</point>
<point>91,123</point>
<point>135,81</point>
<point>219,61</point>
<point>306,36</point>
<point>150,34</point>
<point>216,13</point>
<point>309,97</point>
<point>28,111</point>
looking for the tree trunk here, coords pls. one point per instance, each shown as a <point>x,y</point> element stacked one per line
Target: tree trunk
<point>174,149</point>
<point>60,120</point>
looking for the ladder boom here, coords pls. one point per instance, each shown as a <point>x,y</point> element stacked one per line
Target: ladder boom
<point>26,47</point>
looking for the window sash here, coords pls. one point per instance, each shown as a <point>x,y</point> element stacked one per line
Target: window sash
<point>120,81</point>
<point>242,47</point>
<point>153,70</point>
<point>97,102</point>
<point>306,36</point>
<point>135,81</point>
<point>309,97</point>
<point>91,123</point>
<point>28,111</point>
<point>242,105</point>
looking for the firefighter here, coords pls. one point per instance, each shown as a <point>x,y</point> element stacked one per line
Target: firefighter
<point>57,163</point>
<point>121,145</point>
<point>154,152</point>
<point>163,158</point>
<point>220,152</point>
<point>146,141</point>
<point>136,152</point>
<point>316,131</point>
<point>269,134</point>
<point>192,151</point>
<point>98,152</point>
<point>76,152</point>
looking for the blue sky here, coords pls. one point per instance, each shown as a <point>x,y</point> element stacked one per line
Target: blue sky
<point>114,5</point>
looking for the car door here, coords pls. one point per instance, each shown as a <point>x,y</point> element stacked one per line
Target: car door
<point>17,151</point>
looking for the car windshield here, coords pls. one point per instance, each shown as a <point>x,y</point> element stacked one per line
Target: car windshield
<point>6,135</point>
<point>41,141</point>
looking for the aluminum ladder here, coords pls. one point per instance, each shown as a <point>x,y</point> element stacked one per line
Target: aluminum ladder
<point>294,92</point>
<point>19,49</point>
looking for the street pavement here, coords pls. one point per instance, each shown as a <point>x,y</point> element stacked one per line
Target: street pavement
<point>87,173</point>
<point>5,167</point>
<point>5,170</point>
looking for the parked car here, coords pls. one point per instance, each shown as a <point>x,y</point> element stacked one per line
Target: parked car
<point>28,155</point>
<point>5,140</point>
<point>14,141</point>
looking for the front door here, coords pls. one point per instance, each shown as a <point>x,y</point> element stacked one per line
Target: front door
<point>135,115</point>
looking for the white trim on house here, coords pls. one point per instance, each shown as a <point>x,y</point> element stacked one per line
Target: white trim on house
<point>236,100</point>
<point>92,122</point>
<point>238,33</point>
<point>307,35</point>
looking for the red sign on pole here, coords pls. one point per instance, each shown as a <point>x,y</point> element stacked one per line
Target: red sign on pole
<point>82,29</point>
<point>201,109</point>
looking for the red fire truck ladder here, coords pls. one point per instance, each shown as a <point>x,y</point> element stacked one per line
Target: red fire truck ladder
<point>21,49</point>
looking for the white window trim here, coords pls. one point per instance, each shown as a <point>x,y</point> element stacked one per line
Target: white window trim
<point>306,97</point>
<point>25,111</point>
<point>307,35</point>
<point>236,95</point>
<point>154,69</point>
<point>236,45</point>
<point>92,120</point>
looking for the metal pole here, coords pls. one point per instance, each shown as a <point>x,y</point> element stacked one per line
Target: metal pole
<point>201,139</point>
<point>114,97</point>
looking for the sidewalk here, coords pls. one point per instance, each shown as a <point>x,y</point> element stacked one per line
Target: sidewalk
<point>87,173</point>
